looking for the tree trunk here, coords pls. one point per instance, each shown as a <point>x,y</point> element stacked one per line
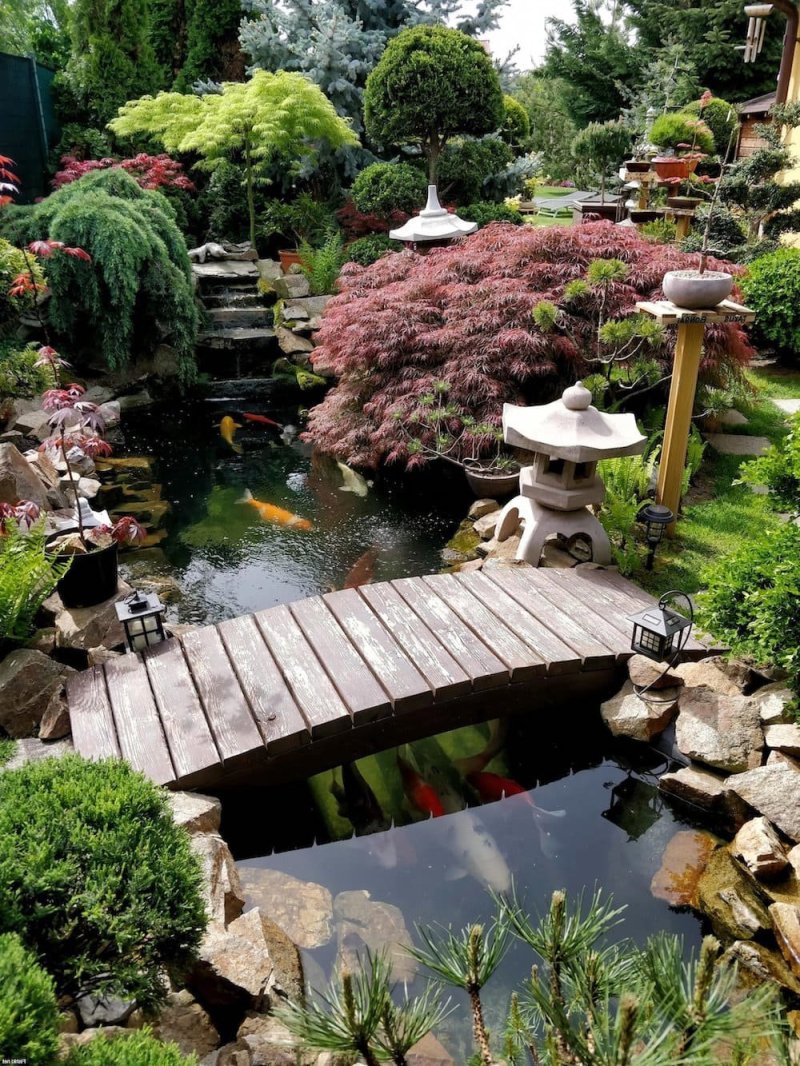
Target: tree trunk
<point>74,486</point>
<point>434,151</point>
<point>368,1054</point>
<point>479,1028</point>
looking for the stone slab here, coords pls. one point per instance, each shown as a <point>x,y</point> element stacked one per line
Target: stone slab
<point>737,443</point>
<point>732,417</point>
<point>789,407</point>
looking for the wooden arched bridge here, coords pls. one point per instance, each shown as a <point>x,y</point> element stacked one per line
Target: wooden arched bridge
<point>300,687</point>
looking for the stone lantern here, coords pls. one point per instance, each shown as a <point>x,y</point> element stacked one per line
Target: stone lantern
<point>567,437</point>
<point>433,226</point>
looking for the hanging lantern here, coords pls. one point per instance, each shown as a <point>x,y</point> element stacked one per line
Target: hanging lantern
<point>756,28</point>
<point>655,518</point>
<point>659,632</point>
<point>142,617</point>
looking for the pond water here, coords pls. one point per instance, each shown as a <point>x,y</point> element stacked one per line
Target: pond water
<point>591,816</point>
<point>227,557</point>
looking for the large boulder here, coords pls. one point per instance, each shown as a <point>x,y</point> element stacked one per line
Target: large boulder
<point>82,628</point>
<point>627,715</point>
<point>429,1052</point>
<point>682,865</point>
<point>364,923</point>
<point>760,849</point>
<point>773,791</point>
<point>774,704</point>
<point>719,729</point>
<point>290,286</point>
<point>195,812</point>
<point>731,900</point>
<point>29,681</point>
<point>55,723</point>
<point>786,922</point>
<point>224,897</point>
<point>726,678</point>
<point>303,909</point>
<point>18,481</point>
<point>647,674</point>
<point>104,1010</point>
<point>269,1042</point>
<point>34,424</point>
<point>784,738</point>
<point>184,1022</point>
<point>759,965</point>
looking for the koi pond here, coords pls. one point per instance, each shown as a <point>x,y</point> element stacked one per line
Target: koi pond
<point>361,855</point>
<point>240,524</point>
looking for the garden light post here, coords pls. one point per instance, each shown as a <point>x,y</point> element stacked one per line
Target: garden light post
<point>142,617</point>
<point>688,352</point>
<point>655,518</point>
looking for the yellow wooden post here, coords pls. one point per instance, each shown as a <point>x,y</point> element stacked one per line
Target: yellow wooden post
<point>688,350</point>
<point>684,222</point>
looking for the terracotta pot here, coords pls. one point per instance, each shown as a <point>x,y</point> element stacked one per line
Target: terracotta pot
<point>671,166</point>
<point>638,166</point>
<point>696,291</point>
<point>91,579</point>
<point>684,203</point>
<point>289,257</point>
<point>491,484</point>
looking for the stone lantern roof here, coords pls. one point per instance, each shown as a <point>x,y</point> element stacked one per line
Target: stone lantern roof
<point>572,429</point>
<point>433,223</point>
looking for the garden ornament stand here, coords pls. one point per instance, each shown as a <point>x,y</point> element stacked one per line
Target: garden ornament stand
<point>434,225</point>
<point>568,438</point>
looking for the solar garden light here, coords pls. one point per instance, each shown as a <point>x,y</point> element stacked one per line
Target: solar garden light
<point>655,518</point>
<point>142,619</point>
<point>661,633</point>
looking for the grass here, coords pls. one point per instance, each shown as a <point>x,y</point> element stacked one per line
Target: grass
<point>718,515</point>
<point>7,749</point>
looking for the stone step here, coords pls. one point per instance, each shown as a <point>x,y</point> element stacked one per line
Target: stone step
<point>233,298</point>
<point>225,271</point>
<point>245,337</point>
<point>236,317</point>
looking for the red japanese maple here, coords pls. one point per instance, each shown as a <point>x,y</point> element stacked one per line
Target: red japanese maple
<point>462,315</point>
<point>150,171</point>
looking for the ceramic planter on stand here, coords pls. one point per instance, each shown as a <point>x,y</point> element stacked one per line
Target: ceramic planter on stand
<point>695,291</point>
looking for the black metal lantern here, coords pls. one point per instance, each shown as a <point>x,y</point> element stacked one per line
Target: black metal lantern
<point>142,619</point>
<point>659,632</point>
<point>655,518</point>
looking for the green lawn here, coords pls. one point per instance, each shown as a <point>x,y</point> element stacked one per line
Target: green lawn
<point>718,516</point>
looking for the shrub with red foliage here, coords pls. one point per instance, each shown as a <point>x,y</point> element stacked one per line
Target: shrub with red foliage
<point>357,223</point>
<point>150,171</point>
<point>462,315</point>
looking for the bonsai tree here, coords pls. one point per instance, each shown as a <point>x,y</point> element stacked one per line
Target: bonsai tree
<point>252,121</point>
<point>603,145</point>
<point>431,84</point>
<point>673,132</point>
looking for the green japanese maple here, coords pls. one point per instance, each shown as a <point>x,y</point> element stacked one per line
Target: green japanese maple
<point>253,121</point>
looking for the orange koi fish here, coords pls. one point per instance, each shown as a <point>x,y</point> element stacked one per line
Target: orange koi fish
<point>227,428</point>
<point>262,419</point>
<point>424,797</point>
<point>362,569</point>
<point>491,787</point>
<point>269,512</point>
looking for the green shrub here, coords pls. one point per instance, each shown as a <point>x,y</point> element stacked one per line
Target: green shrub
<point>303,219</point>
<point>322,265</point>
<point>720,117</point>
<point>140,277</point>
<point>516,127</point>
<point>726,237</point>
<point>660,230</point>
<point>751,600</point>
<point>483,212</point>
<point>83,142</point>
<point>779,470</point>
<point>18,375</point>
<point>627,481</point>
<point>28,1011</point>
<point>385,187</point>
<point>772,288</point>
<point>96,878</point>
<point>27,577</point>
<point>138,1049</point>
<point>368,250</point>
<point>7,749</point>
<point>12,263</point>
<point>670,130</point>
<point>467,166</point>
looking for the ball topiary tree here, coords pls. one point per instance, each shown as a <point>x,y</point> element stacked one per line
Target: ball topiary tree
<point>516,127</point>
<point>28,1011</point>
<point>672,130</point>
<point>96,878</point>
<point>720,117</point>
<point>431,84</point>
<point>603,145</point>
<point>385,187</point>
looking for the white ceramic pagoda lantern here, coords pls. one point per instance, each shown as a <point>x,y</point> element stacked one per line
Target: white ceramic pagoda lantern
<point>567,437</point>
<point>434,224</point>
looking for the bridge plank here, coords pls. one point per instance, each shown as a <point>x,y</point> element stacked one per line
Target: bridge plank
<point>541,636</point>
<point>322,706</point>
<point>185,727</point>
<point>436,665</point>
<point>482,666</point>
<point>353,679</point>
<point>521,660</point>
<point>227,711</point>
<point>94,733</point>
<point>629,598</point>
<point>407,688</point>
<point>139,729</point>
<point>522,585</point>
<point>599,619</point>
<point>277,715</point>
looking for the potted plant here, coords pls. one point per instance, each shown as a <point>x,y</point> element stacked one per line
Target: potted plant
<point>303,221</point>
<point>78,426</point>
<point>603,145</point>
<point>701,289</point>
<point>683,141</point>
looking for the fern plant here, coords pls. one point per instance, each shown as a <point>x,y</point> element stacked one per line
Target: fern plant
<point>322,265</point>
<point>627,481</point>
<point>27,577</point>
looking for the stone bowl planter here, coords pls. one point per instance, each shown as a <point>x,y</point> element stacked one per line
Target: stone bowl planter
<point>640,215</point>
<point>672,166</point>
<point>684,203</point>
<point>696,291</point>
<point>638,166</point>
<point>491,484</point>
<point>91,579</point>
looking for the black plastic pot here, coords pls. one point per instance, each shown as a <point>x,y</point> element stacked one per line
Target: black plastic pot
<point>91,579</point>
<point>637,166</point>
